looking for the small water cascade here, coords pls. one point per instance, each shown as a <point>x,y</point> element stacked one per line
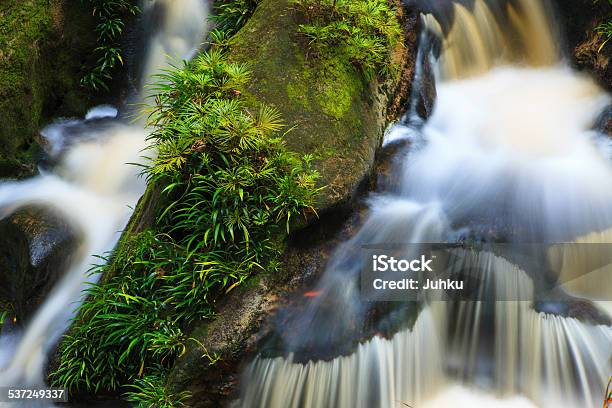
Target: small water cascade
<point>508,155</point>
<point>94,187</point>
<point>406,368</point>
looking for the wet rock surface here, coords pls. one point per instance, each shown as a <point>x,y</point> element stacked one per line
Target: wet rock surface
<point>573,307</point>
<point>339,116</point>
<point>35,249</point>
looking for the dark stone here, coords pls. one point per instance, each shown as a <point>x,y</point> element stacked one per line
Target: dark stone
<point>35,249</point>
<point>580,19</point>
<point>569,306</point>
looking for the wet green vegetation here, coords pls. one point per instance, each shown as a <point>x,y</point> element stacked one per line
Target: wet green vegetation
<point>111,16</point>
<point>233,190</point>
<point>363,33</point>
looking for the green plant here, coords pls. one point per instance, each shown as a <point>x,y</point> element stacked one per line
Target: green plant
<point>365,32</point>
<point>605,29</point>
<point>231,15</point>
<point>4,316</point>
<point>151,391</point>
<point>111,16</point>
<point>234,190</point>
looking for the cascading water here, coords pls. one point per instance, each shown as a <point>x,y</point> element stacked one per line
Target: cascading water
<point>508,155</point>
<point>94,187</point>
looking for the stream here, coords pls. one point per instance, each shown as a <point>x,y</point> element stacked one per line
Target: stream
<point>509,155</point>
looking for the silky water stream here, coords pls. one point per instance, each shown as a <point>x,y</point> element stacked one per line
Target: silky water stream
<point>94,187</point>
<point>509,155</point>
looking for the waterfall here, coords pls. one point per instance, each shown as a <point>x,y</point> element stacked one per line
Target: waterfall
<point>94,187</point>
<point>405,369</point>
<point>509,155</point>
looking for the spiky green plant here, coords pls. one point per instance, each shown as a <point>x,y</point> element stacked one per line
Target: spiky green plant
<point>234,190</point>
<point>4,316</point>
<point>605,29</point>
<point>151,391</point>
<point>365,32</point>
<point>231,15</point>
<point>110,15</point>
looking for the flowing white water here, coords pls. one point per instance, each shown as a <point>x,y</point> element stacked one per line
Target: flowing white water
<point>380,373</point>
<point>95,189</point>
<point>508,154</point>
<point>556,361</point>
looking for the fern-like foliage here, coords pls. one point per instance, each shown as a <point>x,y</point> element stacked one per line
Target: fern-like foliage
<point>111,15</point>
<point>151,391</point>
<point>233,190</point>
<point>231,15</point>
<point>363,31</point>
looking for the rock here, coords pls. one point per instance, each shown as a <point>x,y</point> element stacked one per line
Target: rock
<point>339,116</point>
<point>386,176</point>
<point>573,307</point>
<point>43,47</point>
<point>35,248</point>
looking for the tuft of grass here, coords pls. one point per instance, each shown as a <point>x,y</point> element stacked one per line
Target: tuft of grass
<point>363,31</point>
<point>151,391</point>
<point>605,30</point>
<point>230,15</point>
<point>233,189</point>
<point>111,16</point>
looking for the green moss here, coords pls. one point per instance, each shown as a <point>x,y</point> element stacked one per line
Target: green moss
<point>334,107</point>
<point>40,57</point>
<point>334,100</point>
<point>23,26</point>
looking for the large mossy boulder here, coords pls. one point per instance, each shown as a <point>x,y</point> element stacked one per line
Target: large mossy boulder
<point>43,47</point>
<point>335,113</point>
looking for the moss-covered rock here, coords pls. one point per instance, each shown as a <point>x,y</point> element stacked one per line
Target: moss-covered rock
<point>43,44</point>
<point>235,334</point>
<point>335,113</point>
